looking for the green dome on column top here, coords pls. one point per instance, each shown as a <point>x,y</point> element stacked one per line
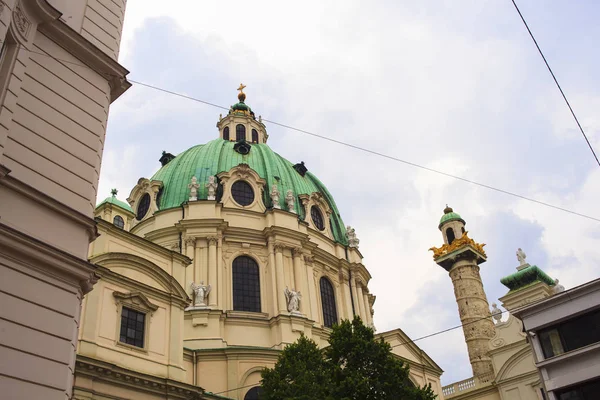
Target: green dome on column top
<point>219,156</point>
<point>450,215</point>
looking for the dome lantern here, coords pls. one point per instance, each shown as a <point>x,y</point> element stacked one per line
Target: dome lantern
<point>240,123</point>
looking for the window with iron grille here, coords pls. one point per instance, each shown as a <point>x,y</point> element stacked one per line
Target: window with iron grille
<point>317,218</point>
<point>328,303</point>
<point>242,193</point>
<point>118,222</point>
<point>254,136</point>
<point>133,324</point>
<point>246,285</point>
<point>226,133</point>
<point>240,132</point>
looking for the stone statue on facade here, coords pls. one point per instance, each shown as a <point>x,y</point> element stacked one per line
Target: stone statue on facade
<point>201,292</point>
<point>212,188</point>
<point>275,196</point>
<point>289,200</point>
<point>193,186</point>
<point>521,256</point>
<point>496,313</point>
<point>293,300</point>
<point>558,288</point>
<point>351,235</point>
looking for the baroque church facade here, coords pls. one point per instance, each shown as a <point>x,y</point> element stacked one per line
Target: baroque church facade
<point>216,262</point>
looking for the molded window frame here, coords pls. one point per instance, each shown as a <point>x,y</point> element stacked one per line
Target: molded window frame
<point>324,278</point>
<point>135,301</point>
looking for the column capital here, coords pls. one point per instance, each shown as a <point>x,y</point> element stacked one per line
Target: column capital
<point>297,251</point>
<point>279,247</point>
<point>212,240</point>
<point>308,259</point>
<point>190,241</point>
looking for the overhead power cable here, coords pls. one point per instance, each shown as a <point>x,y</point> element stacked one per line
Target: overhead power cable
<point>556,81</point>
<point>412,164</point>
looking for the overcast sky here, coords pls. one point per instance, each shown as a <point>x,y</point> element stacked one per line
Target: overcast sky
<point>453,85</point>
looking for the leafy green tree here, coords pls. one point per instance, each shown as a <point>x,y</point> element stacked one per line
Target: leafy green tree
<point>355,366</point>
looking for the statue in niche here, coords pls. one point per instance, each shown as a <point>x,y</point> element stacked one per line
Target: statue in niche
<point>521,256</point>
<point>558,288</point>
<point>193,186</point>
<point>496,313</point>
<point>275,196</point>
<point>200,294</point>
<point>212,188</point>
<point>293,300</point>
<point>289,200</point>
<point>351,235</point>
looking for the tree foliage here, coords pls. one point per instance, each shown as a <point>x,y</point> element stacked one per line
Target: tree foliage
<point>355,366</point>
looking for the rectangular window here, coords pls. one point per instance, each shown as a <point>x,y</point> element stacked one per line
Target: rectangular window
<point>571,335</point>
<point>133,324</point>
<point>585,391</point>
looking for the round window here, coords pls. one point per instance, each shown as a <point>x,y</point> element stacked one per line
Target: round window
<point>242,193</point>
<point>119,222</point>
<point>317,218</point>
<point>143,207</point>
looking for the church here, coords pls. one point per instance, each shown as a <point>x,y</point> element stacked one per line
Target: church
<point>214,264</point>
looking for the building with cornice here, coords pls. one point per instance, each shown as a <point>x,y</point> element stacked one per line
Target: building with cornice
<point>216,262</point>
<point>58,76</point>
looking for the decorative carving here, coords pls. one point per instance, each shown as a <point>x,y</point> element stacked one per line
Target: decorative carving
<point>212,188</point>
<point>275,196</point>
<point>289,200</point>
<point>201,292</point>
<point>558,288</point>
<point>136,298</point>
<point>193,186</point>
<point>21,20</point>
<point>190,241</point>
<point>496,313</point>
<point>498,342</point>
<point>308,259</point>
<point>521,256</point>
<point>297,251</point>
<point>464,240</point>
<point>279,247</point>
<point>1,6</point>
<point>88,284</point>
<point>351,235</point>
<point>293,300</point>
<point>174,246</point>
<point>243,171</point>
<point>212,240</point>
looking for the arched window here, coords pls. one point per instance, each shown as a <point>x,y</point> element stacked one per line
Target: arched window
<point>240,132</point>
<point>253,394</point>
<point>226,133</point>
<point>450,235</point>
<point>118,222</point>
<point>317,218</point>
<point>328,303</point>
<point>246,285</point>
<point>254,136</point>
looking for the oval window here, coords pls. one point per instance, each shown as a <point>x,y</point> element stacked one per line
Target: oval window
<point>119,222</point>
<point>317,218</point>
<point>242,193</point>
<point>143,207</point>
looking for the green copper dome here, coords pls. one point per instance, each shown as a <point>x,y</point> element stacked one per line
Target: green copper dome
<point>219,156</point>
<point>450,215</point>
<point>114,201</point>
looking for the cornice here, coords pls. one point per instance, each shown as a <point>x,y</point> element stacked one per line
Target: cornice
<point>47,259</point>
<point>81,48</point>
<point>272,232</point>
<point>140,241</point>
<point>99,370</point>
<point>217,224</point>
<point>43,200</point>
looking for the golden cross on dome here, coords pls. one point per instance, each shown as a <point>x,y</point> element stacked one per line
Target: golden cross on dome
<point>241,88</point>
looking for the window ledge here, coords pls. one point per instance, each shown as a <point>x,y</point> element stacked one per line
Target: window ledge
<point>132,347</point>
<point>247,314</point>
<point>569,354</point>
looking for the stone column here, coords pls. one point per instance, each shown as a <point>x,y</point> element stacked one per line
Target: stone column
<point>345,287</point>
<point>200,265</point>
<point>190,244</point>
<point>360,302</point>
<point>299,281</point>
<point>212,270</point>
<point>312,305</point>
<point>273,272</point>
<point>354,296</point>
<point>280,279</point>
<point>368,320</point>
<point>474,313</point>
<point>220,281</point>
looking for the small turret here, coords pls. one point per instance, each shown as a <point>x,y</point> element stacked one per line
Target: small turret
<point>240,123</point>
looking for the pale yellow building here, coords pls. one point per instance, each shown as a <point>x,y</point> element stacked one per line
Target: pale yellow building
<point>499,352</point>
<point>202,270</point>
<point>58,76</point>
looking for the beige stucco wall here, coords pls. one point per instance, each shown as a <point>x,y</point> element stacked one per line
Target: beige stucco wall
<point>55,90</point>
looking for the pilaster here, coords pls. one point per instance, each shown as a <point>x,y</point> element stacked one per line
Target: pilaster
<point>212,270</point>
<point>280,278</point>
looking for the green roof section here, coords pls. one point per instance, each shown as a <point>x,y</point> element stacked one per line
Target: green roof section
<point>526,276</point>
<point>219,156</point>
<point>450,215</point>
<point>114,201</point>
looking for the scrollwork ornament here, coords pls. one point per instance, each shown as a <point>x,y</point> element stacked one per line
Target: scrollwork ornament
<point>21,20</point>
<point>212,240</point>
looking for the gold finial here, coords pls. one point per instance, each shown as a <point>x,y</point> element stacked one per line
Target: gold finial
<point>242,95</point>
